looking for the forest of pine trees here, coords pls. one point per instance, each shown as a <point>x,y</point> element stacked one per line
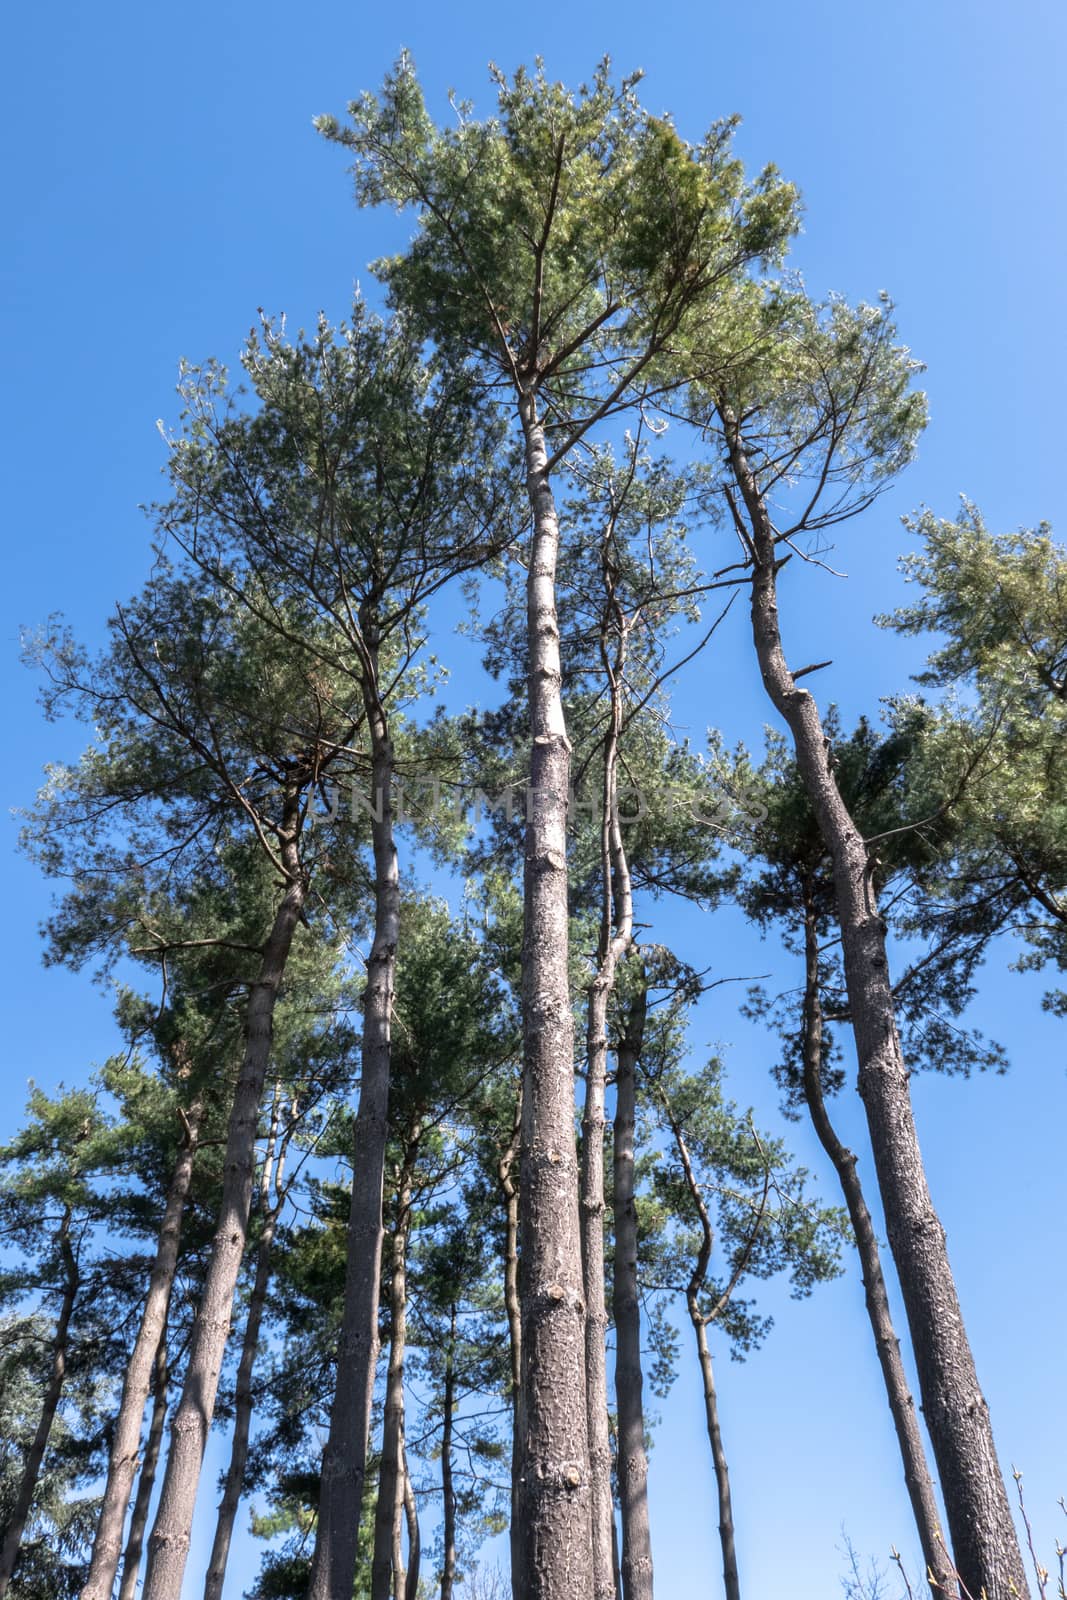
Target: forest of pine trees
<point>413,1183</point>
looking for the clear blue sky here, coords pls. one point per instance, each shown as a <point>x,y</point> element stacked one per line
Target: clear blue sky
<point>163,181</point>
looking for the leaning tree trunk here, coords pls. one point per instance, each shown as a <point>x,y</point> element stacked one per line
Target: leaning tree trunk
<point>344,1461</point>
<point>126,1439</point>
<point>448,1490</point>
<point>555,1541</point>
<point>387,1574</point>
<point>905,1420</point>
<point>632,1462</point>
<point>146,1482</point>
<point>168,1546</point>
<point>984,1541</point>
<point>31,1470</point>
<point>244,1398</point>
<point>616,933</point>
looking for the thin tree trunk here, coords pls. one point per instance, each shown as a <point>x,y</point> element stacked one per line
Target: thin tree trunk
<point>168,1546</point>
<point>984,1541</point>
<point>731,1582</point>
<point>411,1516</point>
<point>146,1482</point>
<point>616,933</point>
<point>905,1420</point>
<point>126,1439</point>
<point>555,1537</point>
<point>512,1306</point>
<point>632,1462</point>
<point>387,1568</point>
<point>31,1471</point>
<point>244,1398</point>
<point>699,1320</point>
<point>344,1462</point>
<point>448,1574</point>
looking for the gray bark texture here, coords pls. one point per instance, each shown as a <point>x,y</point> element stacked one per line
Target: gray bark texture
<point>506,1176</point>
<point>616,934</point>
<point>553,1503</point>
<point>168,1546</point>
<point>632,1462</point>
<point>126,1438</point>
<point>146,1482</point>
<point>344,1462</point>
<point>984,1542</point>
<point>387,1570</point>
<point>31,1471</point>
<point>244,1397</point>
<point>448,1490</point>
<point>920,1485</point>
<point>411,1516</point>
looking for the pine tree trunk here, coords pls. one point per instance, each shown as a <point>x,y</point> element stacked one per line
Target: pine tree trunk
<point>632,1462</point>
<point>244,1398</point>
<point>411,1516</point>
<point>387,1572</point>
<point>596,1316</point>
<point>168,1546</point>
<point>510,1190</point>
<point>984,1541</point>
<point>448,1574</point>
<point>920,1486</point>
<point>344,1462</point>
<point>31,1471</point>
<point>555,1540</point>
<point>126,1439</point>
<point>146,1482</point>
<point>731,1581</point>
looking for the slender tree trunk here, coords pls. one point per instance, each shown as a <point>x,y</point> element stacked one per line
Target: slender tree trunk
<point>387,1569</point>
<point>555,1538</point>
<point>448,1574</point>
<point>731,1582</point>
<point>344,1462</point>
<point>699,1320</point>
<point>632,1462</point>
<point>905,1420</point>
<point>411,1516</point>
<point>984,1541</point>
<point>168,1546</point>
<point>510,1190</point>
<point>146,1482</point>
<point>126,1439</point>
<point>31,1471</point>
<point>244,1398</point>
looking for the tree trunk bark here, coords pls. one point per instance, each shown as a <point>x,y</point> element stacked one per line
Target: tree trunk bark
<point>905,1419</point>
<point>512,1306</point>
<point>632,1462</point>
<point>555,1539</point>
<point>344,1462</point>
<point>448,1574</point>
<point>984,1541</point>
<point>168,1546</point>
<point>131,1560</point>
<point>694,1288</point>
<point>387,1569</point>
<point>411,1515</point>
<point>616,933</point>
<point>731,1581</point>
<point>244,1397</point>
<point>20,1511</point>
<point>126,1440</point>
